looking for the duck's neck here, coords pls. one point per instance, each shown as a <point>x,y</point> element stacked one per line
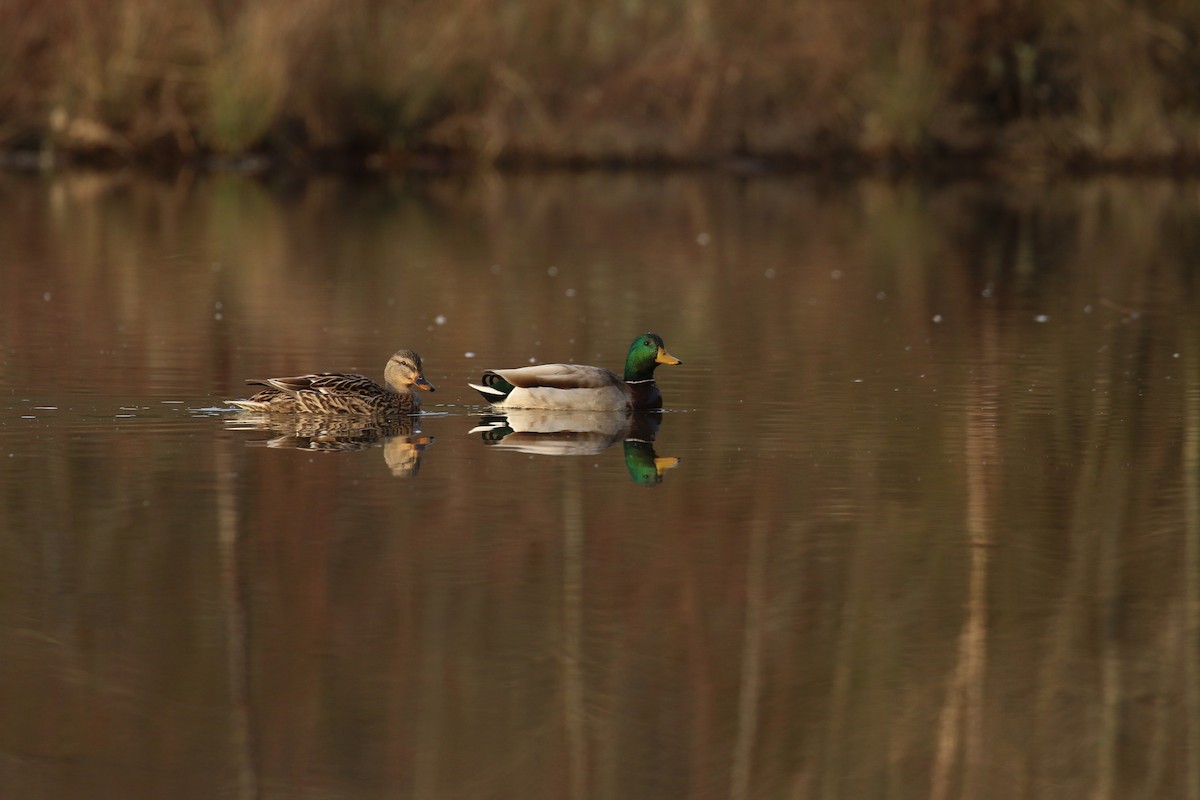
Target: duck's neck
<point>639,367</point>
<point>645,394</point>
<point>639,374</point>
<point>405,395</point>
<point>398,385</point>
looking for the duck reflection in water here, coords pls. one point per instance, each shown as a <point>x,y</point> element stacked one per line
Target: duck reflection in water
<point>579,433</point>
<point>400,437</point>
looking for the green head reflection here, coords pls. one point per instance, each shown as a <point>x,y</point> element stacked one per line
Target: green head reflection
<point>644,465</point>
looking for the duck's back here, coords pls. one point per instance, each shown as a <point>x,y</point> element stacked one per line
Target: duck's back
<point>328,393</point>
<point>565,386</point>
<point>560,376</point>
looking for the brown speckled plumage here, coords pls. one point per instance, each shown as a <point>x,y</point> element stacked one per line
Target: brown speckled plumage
<point>340,393</point>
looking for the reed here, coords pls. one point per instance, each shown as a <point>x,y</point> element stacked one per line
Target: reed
<point>1060,83</point>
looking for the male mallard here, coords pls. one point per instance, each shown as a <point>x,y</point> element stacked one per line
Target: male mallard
<point>338,393</point>
<point>581,388</point>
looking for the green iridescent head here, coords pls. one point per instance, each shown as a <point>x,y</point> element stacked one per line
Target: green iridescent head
<point>645,354</point>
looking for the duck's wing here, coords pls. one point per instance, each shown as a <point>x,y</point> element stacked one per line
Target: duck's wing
<point>560,376</point>
<point>324,383</point>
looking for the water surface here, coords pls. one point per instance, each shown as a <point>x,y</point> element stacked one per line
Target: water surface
<point>921,517</point>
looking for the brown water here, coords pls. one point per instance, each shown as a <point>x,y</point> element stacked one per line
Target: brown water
<point>934,530</point>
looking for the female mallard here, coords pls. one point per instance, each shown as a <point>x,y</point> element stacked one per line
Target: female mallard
<point>338,393</point>
<point>581,388</point>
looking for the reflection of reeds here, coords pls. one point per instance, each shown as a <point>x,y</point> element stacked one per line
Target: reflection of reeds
<point>1191,553</point>
<point>960,739</point>
<point>234,611</point>
<point>572,656</point>
<point>750,679</point>
<point>1058,81</point>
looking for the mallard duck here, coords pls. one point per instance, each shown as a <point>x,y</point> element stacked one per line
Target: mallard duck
<point>339,393</point>
<point>577,387</point>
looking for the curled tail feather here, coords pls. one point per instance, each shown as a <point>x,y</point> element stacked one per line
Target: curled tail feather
<point>494,388</point>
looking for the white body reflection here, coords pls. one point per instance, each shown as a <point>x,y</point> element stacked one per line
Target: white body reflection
<point>576,433</point>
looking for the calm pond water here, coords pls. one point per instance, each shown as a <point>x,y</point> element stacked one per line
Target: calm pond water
<point>933,529</point>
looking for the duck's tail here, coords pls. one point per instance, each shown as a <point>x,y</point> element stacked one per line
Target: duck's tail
<point>494,388</point>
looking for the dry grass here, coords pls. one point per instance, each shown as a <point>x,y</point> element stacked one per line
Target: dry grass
<point>1059,83</point>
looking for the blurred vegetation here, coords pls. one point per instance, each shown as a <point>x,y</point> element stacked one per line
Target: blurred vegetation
<point>1065,84</point>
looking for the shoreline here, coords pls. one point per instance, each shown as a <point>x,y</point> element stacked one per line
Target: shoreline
<point>841,164</point>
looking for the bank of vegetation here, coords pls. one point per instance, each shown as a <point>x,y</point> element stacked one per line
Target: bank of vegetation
<point>1004,84</point>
